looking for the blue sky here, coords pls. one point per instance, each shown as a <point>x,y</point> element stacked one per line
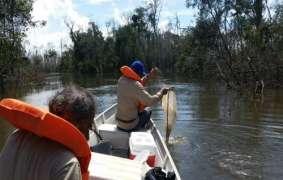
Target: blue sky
<point>80,12</point>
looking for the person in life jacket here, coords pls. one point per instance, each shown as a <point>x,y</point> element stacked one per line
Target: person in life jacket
<point>48,145</point>
<point>133,98</point>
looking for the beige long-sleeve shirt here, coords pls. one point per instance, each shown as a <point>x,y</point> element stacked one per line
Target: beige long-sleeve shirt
<point>130,93</point>
<point>26,156</point>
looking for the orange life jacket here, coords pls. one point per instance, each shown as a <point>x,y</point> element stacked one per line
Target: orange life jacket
<point>131,74</point>
<point>48,125</point>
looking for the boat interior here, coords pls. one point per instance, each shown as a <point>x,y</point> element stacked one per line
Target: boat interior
<point>140,151</point>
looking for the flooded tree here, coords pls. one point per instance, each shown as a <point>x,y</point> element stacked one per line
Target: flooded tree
<point>239,40</point>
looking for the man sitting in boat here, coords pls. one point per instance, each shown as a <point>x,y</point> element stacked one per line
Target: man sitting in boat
<point>133,98</point>
<point>47,146</point>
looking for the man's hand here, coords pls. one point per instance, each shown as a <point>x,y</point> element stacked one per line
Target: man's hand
<point>164,91</point>
<point>151,75</point>
<point>153,72</point>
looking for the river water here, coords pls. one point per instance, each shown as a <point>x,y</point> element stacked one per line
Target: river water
<point>218,135</point>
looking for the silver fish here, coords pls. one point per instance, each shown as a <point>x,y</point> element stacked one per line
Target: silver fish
<point>169,105</point>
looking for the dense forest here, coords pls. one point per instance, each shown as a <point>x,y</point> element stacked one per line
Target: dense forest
<point>239,42</point>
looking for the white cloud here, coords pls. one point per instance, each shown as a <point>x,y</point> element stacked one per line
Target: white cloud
<point>40,39</point>
<point>187,12</point>
<point>97,2</point>
<point>104,31</point>
<point>163,24</point>
<point>119,16</point>
<point>186,17</point>
<point>273,2</point>
<point>184,12</point>
<point>167,14</point>
<point>55,12</point>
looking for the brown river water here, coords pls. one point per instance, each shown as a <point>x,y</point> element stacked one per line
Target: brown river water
<point>219,134</point>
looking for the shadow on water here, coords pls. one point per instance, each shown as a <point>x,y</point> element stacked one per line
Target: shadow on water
<point>218,134</point>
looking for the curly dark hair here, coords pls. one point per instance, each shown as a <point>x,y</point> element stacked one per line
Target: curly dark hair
<point>73,103</point>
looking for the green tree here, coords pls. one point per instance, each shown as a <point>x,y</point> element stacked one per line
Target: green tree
<point>110,59</point>
<point>15,18</point>
<point>88,49</point>
<point>66,61</point>
<point>242,40</point>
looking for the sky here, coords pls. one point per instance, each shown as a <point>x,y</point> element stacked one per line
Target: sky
<point>80,12</point>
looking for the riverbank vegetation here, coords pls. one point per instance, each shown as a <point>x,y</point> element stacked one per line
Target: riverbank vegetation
<point>15,19</point>
<point>237,42</point>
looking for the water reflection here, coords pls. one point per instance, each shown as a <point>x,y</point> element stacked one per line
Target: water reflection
<point>218,134</point>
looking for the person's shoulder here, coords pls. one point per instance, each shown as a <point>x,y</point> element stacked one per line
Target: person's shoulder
<point>125,80</point>
<point>64,155</point>
<point>122,79</point>
<point>45,147</point>
<point>65,165</point>
<point>60,151</point>
<point>19,135</point>
<point>61,156</point>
